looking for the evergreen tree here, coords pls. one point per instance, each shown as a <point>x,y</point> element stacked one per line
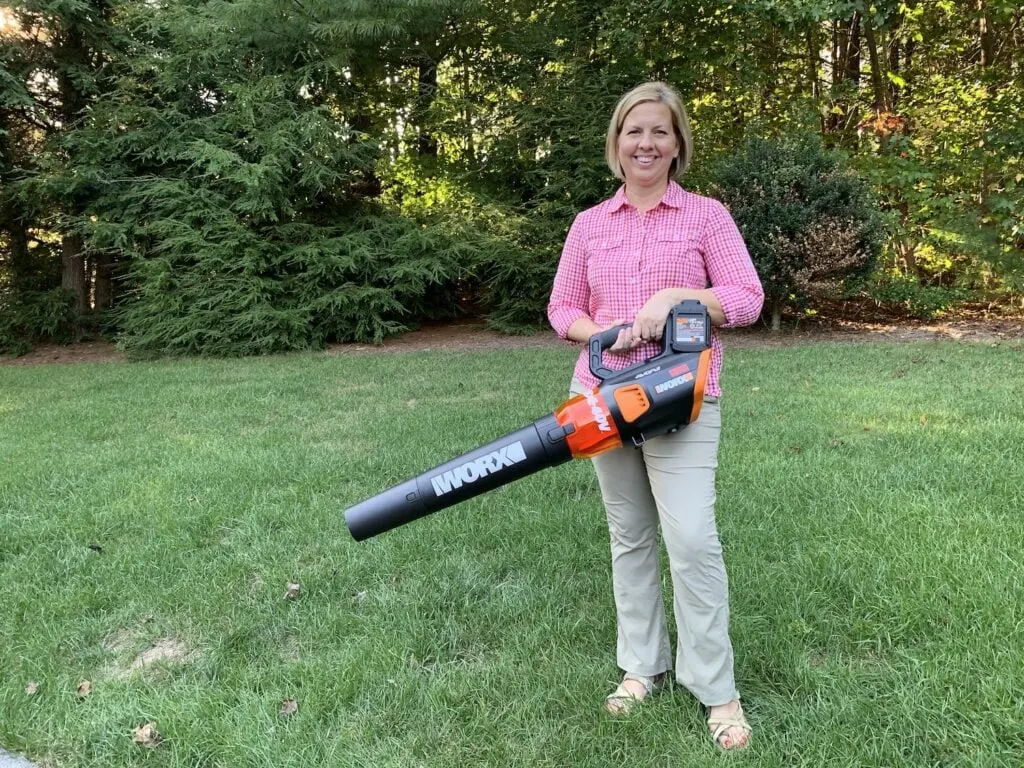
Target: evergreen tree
<point>238,176</point>
<point>54,55</point>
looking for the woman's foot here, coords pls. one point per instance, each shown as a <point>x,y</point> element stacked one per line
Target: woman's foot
<point>631,691</point>
<point>728,725</point>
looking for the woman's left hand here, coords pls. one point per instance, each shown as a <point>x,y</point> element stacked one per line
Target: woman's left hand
<point>649,323</point>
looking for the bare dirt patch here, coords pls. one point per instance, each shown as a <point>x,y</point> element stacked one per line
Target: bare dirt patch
<point>161,652</point>
<point>852,321</point>
<point>836,323</point>
<point>80,352</point>
<point>167,650</point>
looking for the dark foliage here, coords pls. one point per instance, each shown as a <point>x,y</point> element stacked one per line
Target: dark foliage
<point>810,224</point>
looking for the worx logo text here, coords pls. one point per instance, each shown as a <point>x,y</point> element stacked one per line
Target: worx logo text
<point>599,415</point>
<point>472,471</point>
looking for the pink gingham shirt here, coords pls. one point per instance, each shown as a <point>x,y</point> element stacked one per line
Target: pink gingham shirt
<point>615,259</point>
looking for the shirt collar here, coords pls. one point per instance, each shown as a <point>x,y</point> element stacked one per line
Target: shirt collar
<point>673,197</point>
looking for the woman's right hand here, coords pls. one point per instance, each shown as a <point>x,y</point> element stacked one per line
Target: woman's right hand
<point>626,342</point>
<point>584,328</point>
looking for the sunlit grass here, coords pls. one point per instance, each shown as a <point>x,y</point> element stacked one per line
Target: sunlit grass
<point>870,505</point>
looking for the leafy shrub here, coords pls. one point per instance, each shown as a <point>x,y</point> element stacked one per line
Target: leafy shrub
<point>507,258</point>
<point>922,301</point>
<point>516,264</point>
<point>296,287</point>
<point>810,224</point>
<point>27,317</point>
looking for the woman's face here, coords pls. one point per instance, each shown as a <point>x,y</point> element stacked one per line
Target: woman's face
<point>647,144</point>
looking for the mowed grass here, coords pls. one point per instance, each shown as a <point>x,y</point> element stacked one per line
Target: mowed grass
<point>152,516</point>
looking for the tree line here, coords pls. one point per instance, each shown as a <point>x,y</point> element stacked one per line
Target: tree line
<point>246,176</point>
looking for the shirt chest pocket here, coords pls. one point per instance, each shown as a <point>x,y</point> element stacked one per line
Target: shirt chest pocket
<point>675,258</point>
<point>609,259</point>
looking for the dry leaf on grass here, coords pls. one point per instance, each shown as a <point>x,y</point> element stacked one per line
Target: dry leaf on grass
<point>289,707</point>
<point>147,736</point>
<point>293,590</point>
<point>84,689</point>
<point>32,688</point>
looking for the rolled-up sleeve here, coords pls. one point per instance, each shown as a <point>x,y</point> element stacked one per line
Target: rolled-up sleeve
<point>570,292</point>
<point>734,280</point>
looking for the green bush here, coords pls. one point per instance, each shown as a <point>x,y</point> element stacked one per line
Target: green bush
<point>922,301</point>
<point>516,268</point>
<point>810,224</point>
<point>507,256</point>
<point>242,292</point>
<point>27,317</point>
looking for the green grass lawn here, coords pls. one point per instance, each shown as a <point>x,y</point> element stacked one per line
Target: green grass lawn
<point>152,516</point>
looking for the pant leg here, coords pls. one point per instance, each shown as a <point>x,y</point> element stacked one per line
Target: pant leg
<point>681,470</point>
<point>643,642</point>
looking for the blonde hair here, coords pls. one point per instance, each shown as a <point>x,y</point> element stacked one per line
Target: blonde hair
<point>662,93</point>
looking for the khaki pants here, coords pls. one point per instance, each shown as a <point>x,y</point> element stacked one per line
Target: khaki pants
<point>670,481</point>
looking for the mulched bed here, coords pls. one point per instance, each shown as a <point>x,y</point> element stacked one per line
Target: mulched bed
<point>845,321</point>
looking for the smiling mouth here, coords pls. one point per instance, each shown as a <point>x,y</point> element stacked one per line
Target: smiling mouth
<point>645,159</point>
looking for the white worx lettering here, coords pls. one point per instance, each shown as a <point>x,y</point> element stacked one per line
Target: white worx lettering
<point>673,383</point>
<point>471,471</point>
<point>599,415</point>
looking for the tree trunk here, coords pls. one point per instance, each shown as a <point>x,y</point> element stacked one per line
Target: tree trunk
<point>776,306</point>
<point>894,67</point>
<point>813,57</point>
<point>986,37</point>
<point>103,270</point>
<point>986,43</point>
<point>881,100</point>
<point>845,73</point>
<point>12,220</point>
<point>426,81</point>
<point>73,58</point>
<point>1016,63</point>
<point>813,78</point>
<point>851,51</point>
<point>17,239</point>
<point>72,277</point>
<point>878,85</point>
<point>839,39</point>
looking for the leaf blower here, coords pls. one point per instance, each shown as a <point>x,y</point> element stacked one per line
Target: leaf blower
<point>630,406</point>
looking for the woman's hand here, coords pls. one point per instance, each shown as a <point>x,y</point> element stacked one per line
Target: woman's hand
<point>584,328</point>
<point>649,324</point>
<point>626,342</point>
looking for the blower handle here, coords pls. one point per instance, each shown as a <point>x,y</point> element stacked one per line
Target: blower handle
<point>599,342</point>
<point>687,328</point>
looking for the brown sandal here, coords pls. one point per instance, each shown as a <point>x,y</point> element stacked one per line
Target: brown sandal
<point>622,700</point>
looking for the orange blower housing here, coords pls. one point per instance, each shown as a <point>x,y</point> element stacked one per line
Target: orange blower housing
<point>628,407</point>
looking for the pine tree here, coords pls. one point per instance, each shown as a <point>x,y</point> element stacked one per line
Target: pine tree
<point>238,179</point>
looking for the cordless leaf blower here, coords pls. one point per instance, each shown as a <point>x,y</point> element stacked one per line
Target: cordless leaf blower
<point>630,406</point>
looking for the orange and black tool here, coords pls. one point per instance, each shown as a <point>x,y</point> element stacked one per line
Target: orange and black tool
<point>628,407</point>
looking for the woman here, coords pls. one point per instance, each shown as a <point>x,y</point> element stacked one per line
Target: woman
<point>629,260</point>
